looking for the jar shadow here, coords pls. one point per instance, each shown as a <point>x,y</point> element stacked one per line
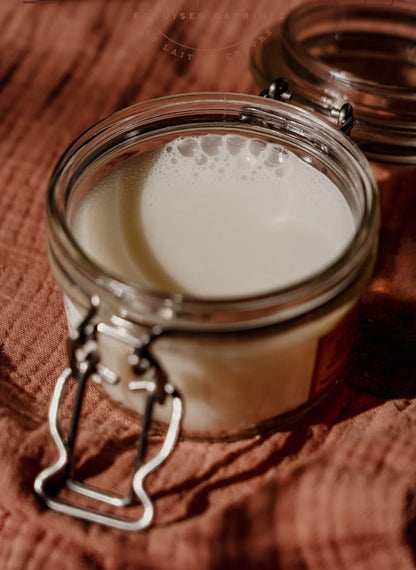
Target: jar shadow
<point>386,348</point>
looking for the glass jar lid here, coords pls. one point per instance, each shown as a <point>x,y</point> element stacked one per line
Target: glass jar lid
<point>362,54</point>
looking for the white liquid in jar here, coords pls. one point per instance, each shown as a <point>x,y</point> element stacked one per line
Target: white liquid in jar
<point>220,216</point>
<point>214,216</point>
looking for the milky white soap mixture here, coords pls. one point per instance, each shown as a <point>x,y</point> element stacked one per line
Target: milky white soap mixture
<point>220,216</point>
<point>214,216</point>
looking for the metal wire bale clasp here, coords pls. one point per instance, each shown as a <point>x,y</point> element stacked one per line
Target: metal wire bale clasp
<point>84,359</point>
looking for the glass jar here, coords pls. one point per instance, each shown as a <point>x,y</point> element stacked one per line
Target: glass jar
<point>240,366</point>
<point>213,349</point>
<point>358,52</point>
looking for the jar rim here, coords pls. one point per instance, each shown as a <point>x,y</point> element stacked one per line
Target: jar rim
<point>316,48</point>
<point>312,291</point>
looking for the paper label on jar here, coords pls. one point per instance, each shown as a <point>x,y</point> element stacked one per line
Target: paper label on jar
<point>333,353</point>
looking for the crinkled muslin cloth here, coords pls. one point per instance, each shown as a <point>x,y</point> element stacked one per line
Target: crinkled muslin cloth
<point>335,492</point>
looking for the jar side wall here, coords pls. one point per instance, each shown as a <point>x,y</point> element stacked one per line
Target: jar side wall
<point>232,385</point>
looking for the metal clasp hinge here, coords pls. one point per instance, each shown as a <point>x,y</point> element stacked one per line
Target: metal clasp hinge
<point>279,90</point>
<point>84,359</point>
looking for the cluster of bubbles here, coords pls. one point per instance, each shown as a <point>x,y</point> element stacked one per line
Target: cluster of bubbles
<point>231,154</point>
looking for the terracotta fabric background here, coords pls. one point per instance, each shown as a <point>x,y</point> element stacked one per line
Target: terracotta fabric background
<point>335,493</point>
